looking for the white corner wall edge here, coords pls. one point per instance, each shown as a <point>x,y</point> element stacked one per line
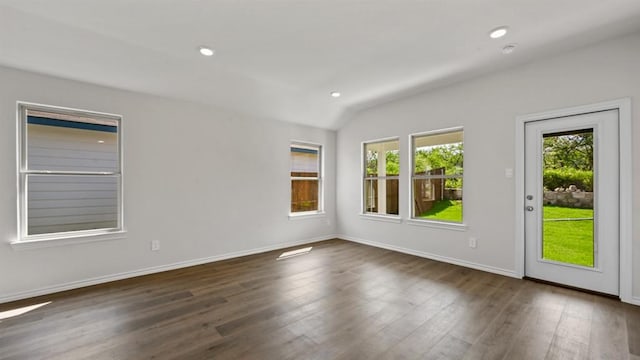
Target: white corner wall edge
<point>155,269</point>
<point>454,261</point>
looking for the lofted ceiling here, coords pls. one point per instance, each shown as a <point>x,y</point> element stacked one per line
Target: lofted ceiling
<point>281,59</point>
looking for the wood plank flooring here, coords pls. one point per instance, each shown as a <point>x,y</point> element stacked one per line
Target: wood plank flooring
<point>340,301</point>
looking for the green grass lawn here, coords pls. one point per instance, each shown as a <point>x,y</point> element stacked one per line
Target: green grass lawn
<point>445,210</point>
<point>568,241</point>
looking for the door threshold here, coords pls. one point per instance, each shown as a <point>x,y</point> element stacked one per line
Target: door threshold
<point>587,291</point>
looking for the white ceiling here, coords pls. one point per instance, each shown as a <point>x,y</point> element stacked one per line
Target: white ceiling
<point>280,59</point>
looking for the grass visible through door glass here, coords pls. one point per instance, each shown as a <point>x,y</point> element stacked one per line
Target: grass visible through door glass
<point>568,235</point>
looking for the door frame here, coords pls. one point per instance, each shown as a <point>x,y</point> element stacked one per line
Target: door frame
<point>626,179</point>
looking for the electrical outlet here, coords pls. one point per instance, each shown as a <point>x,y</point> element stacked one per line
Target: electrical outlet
<point>155,245</point>
<point>473,242</point>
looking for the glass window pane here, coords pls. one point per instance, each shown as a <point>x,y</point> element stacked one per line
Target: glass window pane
<point>71,203</point>
<point>438,199</point>
<point>57,144</point>
<point>386,205</point>
<point>439,151</point>
<point>568,216</point>
<point>437,176</point>
<point>375,165</point>
<point>382,165</point>
<point>304,195</point>
<point>305,163</point>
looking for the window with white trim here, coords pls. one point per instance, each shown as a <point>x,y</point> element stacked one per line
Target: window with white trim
<point>436,177</point>
<point>70,176</point>
<point>306,178</point>
<point>381,161</point>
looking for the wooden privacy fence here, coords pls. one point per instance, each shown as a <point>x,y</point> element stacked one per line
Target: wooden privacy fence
<point>304,195</point>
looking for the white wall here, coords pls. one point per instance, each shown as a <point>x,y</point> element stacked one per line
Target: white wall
<point>204,182</point>
<point>487,108</point>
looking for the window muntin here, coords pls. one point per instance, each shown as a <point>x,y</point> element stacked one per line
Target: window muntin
<point>70,172</point>
<point>306,178</point>
<point>437,174</point>
<point>381,161</point>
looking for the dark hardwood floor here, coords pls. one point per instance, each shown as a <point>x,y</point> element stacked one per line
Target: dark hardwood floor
<point>340,301</point>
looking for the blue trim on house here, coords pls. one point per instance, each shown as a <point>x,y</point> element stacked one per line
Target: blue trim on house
<point>303,150</point>
<point>37,120</point>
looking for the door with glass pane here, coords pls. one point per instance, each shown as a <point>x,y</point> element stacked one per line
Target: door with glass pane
<point>571,204</point>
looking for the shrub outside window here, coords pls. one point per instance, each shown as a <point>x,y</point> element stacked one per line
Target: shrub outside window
<point>70,175</point>
<point>437,174</point>
<point>381,176</point>
<point>306,178</point>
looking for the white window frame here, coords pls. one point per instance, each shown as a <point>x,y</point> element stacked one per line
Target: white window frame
<point>393,218</point>
<point>413,220</point>
<point>24,240</point>
<point>320,178</point>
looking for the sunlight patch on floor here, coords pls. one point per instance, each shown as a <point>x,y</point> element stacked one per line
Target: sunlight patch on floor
<point>20,311</point>
<point>292,253</point>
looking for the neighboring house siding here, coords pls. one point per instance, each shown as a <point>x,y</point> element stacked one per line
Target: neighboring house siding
<point>68,203</point>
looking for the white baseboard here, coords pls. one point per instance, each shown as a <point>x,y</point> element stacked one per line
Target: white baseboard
<point>151,270</point>
<point>469,264</point>
<point>633,301</point>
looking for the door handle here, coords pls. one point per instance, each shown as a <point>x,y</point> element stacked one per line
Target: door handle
<point>529,208</point>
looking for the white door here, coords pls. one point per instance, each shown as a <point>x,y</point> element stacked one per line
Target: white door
<point>572,232</point>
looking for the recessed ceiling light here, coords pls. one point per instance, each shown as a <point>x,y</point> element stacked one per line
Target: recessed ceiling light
<point>498,32</point>
<point>100,141</point>
<point>206,51</point>
<point>335,94</point>
<point>509,49</point>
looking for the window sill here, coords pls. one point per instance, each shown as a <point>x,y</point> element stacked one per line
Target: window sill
<point>438,224</point>
<point>383,218</point>
<point>307,215</point>
<point>51,241</point>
